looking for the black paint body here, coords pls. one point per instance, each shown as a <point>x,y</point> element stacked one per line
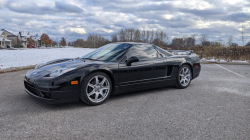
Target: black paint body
<point>141,75</point>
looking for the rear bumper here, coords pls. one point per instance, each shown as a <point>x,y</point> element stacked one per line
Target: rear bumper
<point>196,70</point>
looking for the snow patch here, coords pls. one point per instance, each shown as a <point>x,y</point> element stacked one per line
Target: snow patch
<point>240,61</point>
<point>222,60</point>
<point>26,57</point>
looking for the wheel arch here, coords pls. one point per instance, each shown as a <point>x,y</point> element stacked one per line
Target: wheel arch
<point>190,65</point>
<point>106,72</point>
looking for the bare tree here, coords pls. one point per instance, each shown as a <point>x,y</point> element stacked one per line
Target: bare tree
<point>122,35</point>
<point>189,41</point>
<point>193,40</point>
<point>114,38</point>
<point>163,37</point>
<point>130,33</point>
<point>54,43</point>
<point>230,41</point>
<point>69,43</point>
<point>30,41</point>
<point>248,44</point>
<point>79,43</point>
<point>177,42</point>
<point>147,36</point>
<point>156,39</point>
<point>63,42</point>
<point>143,36</point>
<point>203,38</point>
<point>152,34</point>
<point>16,43</point>
<point>220,41</point>
<point>95,41</point>
<point>137,36</point>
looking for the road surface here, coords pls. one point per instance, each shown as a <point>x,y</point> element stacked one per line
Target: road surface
<point>216,105</point>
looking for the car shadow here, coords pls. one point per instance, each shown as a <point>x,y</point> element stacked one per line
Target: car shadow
<point>140,92</point>
<point>71,105</point>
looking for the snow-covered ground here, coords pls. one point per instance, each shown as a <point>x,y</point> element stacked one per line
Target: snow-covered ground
<point>222,60</point>
<point>16,58</point>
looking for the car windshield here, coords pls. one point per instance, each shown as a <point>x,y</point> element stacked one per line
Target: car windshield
<point>109,52</point>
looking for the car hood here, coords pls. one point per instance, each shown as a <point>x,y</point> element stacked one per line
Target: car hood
<point>69,63</point>
<point>45,69</point>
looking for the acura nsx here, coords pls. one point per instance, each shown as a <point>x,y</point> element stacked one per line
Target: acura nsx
<point>111,69</point>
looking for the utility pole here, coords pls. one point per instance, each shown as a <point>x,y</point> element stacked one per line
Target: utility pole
<point>242,35</point>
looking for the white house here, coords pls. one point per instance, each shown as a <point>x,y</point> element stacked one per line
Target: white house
<point>6,36</point>
<point>3,39</point>
<point>24,35</point>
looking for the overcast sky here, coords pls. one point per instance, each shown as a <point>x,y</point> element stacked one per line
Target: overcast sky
<point>77,18</point>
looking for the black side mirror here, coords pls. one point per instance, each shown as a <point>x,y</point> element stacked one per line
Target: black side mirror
<point>131,60</point>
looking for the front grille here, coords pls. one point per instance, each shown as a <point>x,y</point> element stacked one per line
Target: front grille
<point>31,88</point>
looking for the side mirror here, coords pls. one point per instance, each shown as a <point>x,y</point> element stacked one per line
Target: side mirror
<point>131,60</point>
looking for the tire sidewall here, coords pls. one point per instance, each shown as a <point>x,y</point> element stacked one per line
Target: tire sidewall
<point>178,77</point>
<point>83,95</point>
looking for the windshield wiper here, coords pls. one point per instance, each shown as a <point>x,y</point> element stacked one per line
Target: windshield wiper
<point>89,58</point>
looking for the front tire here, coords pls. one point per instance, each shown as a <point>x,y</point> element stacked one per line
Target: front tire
<point>184,77</point>
<point>96,88</point>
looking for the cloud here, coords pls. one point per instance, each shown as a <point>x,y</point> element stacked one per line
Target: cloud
<point>67,7</point>
<point>78,30</point>
<point>42,9</point>
<point>2,2</point>
<point>239,17</point>
<point>74,19</point>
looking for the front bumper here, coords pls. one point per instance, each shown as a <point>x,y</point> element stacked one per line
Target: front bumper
<point>51,95</point>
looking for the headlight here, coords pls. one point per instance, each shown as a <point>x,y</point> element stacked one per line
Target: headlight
<point>59,72</point>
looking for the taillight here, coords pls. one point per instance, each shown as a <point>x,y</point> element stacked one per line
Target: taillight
<point>196,66</point>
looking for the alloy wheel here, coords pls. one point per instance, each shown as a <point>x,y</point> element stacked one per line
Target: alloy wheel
<point>185,76</point>
<point>98,88</point>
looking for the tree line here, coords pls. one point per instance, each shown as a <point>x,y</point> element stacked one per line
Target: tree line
<point>157,37</point>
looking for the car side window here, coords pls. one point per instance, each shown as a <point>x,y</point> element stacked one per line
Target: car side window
<point>143,52</point>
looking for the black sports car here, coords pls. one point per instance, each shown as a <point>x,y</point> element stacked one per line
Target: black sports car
<point>112,69</point>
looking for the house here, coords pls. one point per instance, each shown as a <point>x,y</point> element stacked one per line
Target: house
<point>23,36</point>
<point>4,40</point>
<point>36,41</point>
<point>19,38</point>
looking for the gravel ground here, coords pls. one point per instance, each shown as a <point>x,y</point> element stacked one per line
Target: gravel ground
<point>216,105</point>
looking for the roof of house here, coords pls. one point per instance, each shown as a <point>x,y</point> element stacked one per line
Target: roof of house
<point>12,32</point>
<point>4,39</point>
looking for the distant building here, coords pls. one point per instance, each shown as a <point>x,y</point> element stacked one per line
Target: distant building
<point>15,37</point>
<point>4,39</point>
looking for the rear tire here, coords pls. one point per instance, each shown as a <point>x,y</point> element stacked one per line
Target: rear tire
<point>184,77</point>
<point>96,88</point>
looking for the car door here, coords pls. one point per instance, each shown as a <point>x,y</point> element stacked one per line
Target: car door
<point>149,71</point>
